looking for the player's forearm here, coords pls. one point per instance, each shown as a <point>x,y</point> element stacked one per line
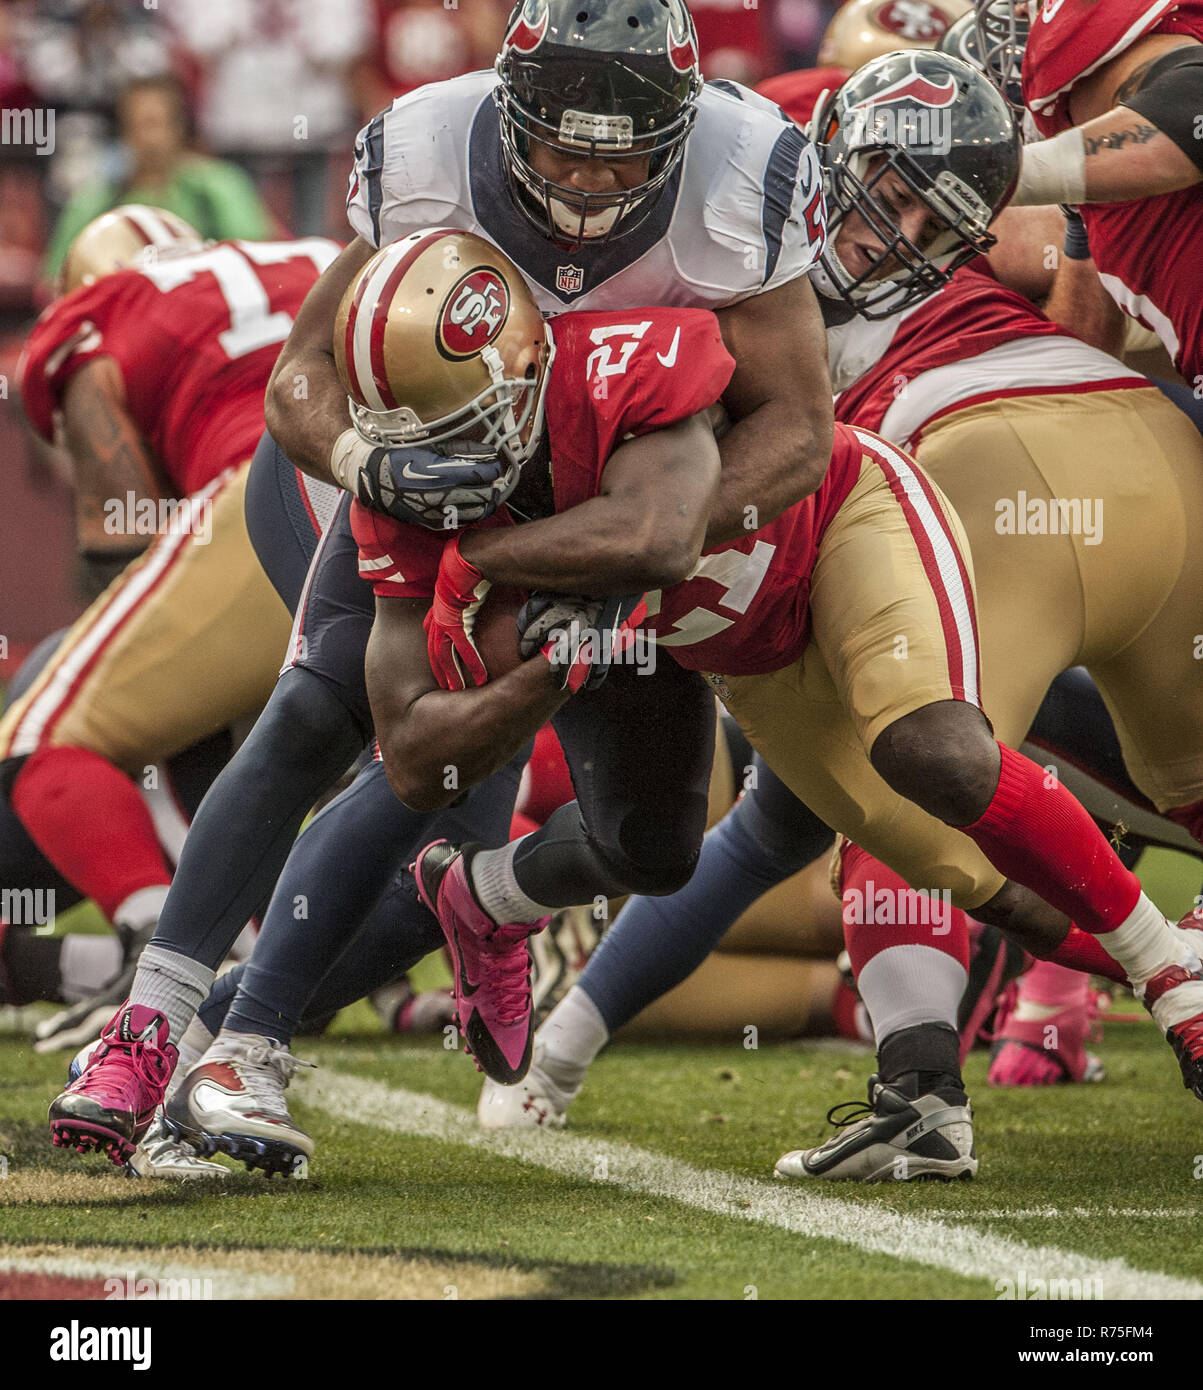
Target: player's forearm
<point>306,410</point>
<point>772,459</point>
<point>602,547</point>
<point>306,405</point>
<point>448,741</point>
<point>1118,157</point>
<point>1079,303</point>
<point>111,462</point>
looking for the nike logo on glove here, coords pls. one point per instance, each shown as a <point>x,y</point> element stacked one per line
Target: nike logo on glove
<point>669,359</point>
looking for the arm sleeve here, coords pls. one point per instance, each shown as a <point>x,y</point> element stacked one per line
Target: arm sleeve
<point>63,340</point>
<point>1171,96</point>
<point>396,559</point>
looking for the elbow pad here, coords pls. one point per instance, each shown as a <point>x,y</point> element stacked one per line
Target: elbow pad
<point>1171,97</point>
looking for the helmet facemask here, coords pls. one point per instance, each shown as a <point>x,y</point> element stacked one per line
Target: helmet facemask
<point>901,272</point>
<point>568,215</point>
<point>1002,28</point>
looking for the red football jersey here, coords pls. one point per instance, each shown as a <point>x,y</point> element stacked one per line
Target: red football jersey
<point>1146,250</point>
<point>797,93</point>
<point>745,610</point>
<point>1073,38</point>
<point>947,354</point>
<point>195,337</point>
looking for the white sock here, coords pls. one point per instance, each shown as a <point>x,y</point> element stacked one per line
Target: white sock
<point>141,909</point>
<point>497,890</point>
<point>1145,942</point>
<point>572,1035</point>
<point>903,986</point>
<point>173,984</point>
<point>86,964</point>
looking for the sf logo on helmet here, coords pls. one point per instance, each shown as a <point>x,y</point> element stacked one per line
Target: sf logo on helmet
<point>913,20</point>
<point>473,313</point>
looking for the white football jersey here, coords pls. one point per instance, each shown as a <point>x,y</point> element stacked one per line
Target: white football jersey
<point>743,213</point>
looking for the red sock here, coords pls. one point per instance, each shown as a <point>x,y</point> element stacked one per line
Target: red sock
<point>870,890</point>
<point>1036,833</point>
<point>87,818</point>
<point>1080,951</point>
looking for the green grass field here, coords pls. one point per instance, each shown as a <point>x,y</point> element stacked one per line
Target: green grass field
<point>660,1188</point>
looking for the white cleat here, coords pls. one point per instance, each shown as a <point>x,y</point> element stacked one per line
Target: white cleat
<point>232,1101</point>
<point>536,1102</point>
<point>161,1156</point>
<point>891,1138</point>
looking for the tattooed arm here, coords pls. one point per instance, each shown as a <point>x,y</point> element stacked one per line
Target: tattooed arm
<point>1137,130</point>
<point>1129,157</point>
<point>110,457</point>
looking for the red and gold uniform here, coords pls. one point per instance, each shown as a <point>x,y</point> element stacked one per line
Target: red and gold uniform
<point>799,624</point>
<point>1079,485</point>
<point>1145,250</point>
<point>189,637</point>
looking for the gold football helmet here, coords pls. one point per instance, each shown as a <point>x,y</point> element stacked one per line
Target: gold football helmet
<point>122,238</point>
<point>437,339</point>
<point>865,29</point>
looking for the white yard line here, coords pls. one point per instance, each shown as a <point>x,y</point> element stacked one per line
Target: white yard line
<point>939,1243</point>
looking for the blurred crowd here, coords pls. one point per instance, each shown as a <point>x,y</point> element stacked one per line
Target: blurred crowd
<point>239,114</point>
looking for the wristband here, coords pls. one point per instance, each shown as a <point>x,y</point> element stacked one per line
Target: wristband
<point>347,458</point>
<point>1053,171</point>
<point>1077,243</point>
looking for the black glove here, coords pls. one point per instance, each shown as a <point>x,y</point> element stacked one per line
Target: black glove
<point>441,491</point>
<point>581,637</point>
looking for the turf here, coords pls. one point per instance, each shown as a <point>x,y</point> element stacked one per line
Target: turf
<point>1105,1171</point>
<point>1055,1165</point>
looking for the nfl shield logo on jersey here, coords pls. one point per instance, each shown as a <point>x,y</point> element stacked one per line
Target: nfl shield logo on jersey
<point>569,279</point>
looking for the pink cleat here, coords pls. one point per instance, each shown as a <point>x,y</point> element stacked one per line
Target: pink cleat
<point>1044,1052</point>
<point>110,1106</point>
<point>491,964</point>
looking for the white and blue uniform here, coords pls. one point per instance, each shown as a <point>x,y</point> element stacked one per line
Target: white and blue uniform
<point>743,213</point>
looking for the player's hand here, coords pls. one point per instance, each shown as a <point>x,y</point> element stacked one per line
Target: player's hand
<point>581,638</point>
<point>459,591</point>
<point>438,488</point>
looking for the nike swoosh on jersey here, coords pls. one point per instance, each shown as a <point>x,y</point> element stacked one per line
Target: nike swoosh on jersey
<point>669,358</point>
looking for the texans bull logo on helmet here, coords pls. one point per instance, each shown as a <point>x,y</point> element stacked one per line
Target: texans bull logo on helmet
<point>682,38</point>
<point>473,313</point>
<point>914,87</point>
<point>528,28</point>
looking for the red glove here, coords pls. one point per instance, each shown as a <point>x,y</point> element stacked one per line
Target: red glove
<point>459,591</point>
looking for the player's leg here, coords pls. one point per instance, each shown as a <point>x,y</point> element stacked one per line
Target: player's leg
<point>797,718</point>
<point>327,940</point>
<point>161,659</point>
<point>657,942</point>
<point>639,749</point>
<point>315,723</point>
<point>1151,683</point>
